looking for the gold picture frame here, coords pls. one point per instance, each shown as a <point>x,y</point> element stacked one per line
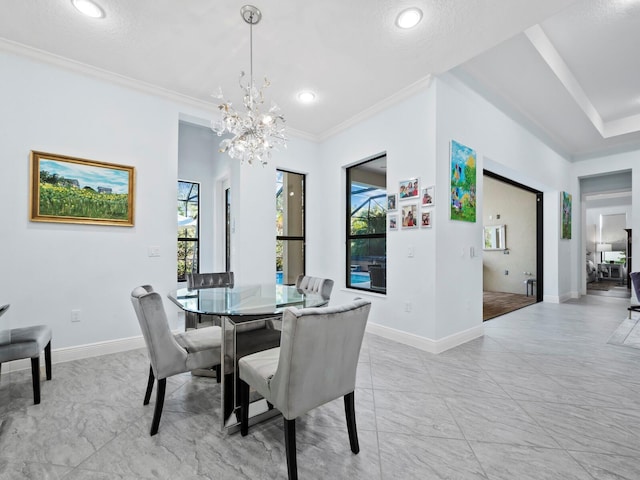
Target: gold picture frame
<point>76,190</point>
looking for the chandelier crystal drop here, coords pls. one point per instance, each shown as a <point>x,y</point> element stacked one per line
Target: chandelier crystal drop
<point>254,131</point>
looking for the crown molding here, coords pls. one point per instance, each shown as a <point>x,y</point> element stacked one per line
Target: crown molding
<point>418,86</point>
<point>85,69</point>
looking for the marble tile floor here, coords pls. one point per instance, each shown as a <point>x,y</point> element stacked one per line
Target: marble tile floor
<point>541,396</point>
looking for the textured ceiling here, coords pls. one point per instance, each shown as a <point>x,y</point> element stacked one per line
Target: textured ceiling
<point>349,52</point>
<point>567,69</point>
<point>574,78</point>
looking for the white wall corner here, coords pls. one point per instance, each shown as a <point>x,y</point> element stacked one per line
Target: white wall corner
<point>423,343</point>
<point>551,298</point>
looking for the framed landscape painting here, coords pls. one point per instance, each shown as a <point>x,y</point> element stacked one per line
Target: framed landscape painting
<point>74,190</point>
<point>463,183</point>
<point>566,216</point>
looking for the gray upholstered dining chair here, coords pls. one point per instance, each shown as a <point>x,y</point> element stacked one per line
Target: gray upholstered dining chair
<point>210,280</point>
<point>315,364</point>
<point>27,342</point>
<point>307,284</point>
<point>171,354</point>
<point>197,281</point>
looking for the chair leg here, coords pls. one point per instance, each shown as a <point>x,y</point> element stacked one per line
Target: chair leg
<point>157,413</point>
<point>350,412</point>
<point>47,360</point>
<point>290,447</point>
<point>147,395</point>
<point>35,377</point>
<point>244,407</point>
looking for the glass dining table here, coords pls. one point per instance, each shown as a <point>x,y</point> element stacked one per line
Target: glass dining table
<point>250,316</point>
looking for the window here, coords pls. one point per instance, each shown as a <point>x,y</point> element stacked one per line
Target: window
<point>290,229</point>
<point>367,225</point>
<point>188,229</point>
<point>227,229</point>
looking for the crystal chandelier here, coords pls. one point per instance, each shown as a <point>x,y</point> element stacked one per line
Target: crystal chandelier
<point>253,132</point>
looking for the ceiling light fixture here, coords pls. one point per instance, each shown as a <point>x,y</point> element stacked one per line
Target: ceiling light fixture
<point>306,96</point>
<point>409,18</point>
<point>253,133</point>
<point>88,8</point>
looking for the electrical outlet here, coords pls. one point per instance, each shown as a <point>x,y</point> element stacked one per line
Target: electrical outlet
<point>75,315</point>
<point>153,251</point>
<point>506,272</point>
<point>407,307</point>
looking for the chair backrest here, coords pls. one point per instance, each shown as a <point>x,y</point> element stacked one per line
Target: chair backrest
<point>635,279</point>
<point>196,281</point>
<point>319,351</point>
<point>5,335</point>
<point>378,276</point>
<point>165,354</point>
<point>323,286</point>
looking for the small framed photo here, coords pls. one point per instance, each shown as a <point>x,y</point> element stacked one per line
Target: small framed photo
<point>426,219</point>
<point>410,216</point>
<point>409,189</point>
<point>393,222</point>
<point>392,202</point>
<point>429,196</point>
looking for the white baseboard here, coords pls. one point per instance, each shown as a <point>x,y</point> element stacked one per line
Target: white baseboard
<point>78,352</point>
<point>560,298</point>
<point>423,343</point>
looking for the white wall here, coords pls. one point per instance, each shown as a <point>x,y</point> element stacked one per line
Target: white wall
<point>50,269</point>
<point>517,210</point>
<point>506,148</point>
<point>54,268</point>
<point>406,133</point>
<point>196,155</point>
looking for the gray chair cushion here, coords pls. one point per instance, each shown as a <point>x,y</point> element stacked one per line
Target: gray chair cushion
<point>26,342</point>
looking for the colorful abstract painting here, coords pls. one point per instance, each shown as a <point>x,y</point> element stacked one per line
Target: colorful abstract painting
<point>463,183</point>
<point>566,216</point>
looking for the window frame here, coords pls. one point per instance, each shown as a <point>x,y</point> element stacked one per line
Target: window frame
<point>370,236</point>
<point>304,221</point>
<point>196,239</point>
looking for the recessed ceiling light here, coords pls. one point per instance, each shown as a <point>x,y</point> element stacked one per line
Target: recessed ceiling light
<point>409,18</point>
<point>306,96</point>
<point>88,8</point>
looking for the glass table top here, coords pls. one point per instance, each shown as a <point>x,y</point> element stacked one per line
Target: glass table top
<point>244,300</point>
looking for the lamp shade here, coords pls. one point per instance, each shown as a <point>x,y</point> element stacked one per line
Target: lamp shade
<point>603,247</point>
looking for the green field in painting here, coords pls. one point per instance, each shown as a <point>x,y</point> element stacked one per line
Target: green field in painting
<point>66,201</point>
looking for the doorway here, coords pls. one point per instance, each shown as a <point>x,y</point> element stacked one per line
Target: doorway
<point>606,216</point>
<point>512,245</point>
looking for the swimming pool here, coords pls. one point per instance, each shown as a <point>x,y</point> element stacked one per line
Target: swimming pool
<point>359,277</point>
<point>356,277</point>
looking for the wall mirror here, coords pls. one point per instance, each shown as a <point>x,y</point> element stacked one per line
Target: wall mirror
<point>495,237</point>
